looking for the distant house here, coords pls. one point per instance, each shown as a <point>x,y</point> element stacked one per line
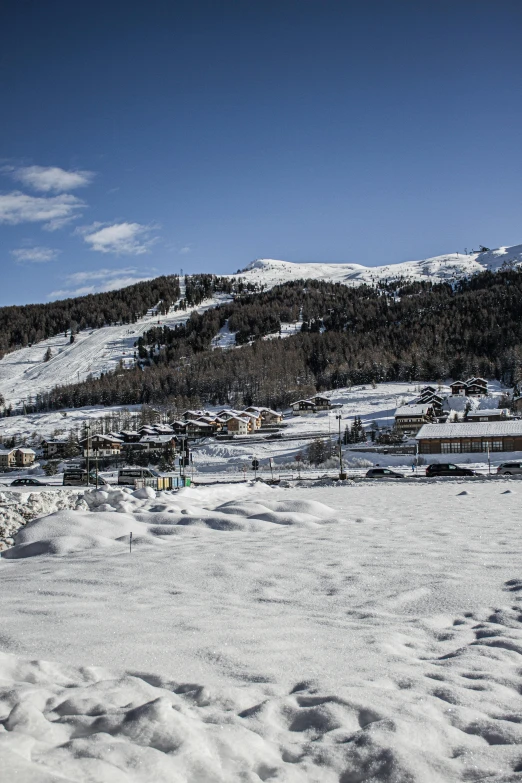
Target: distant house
<point>477,387</point>
<point>179,427</point>
<point>163,429</point>
<point>321,403</point>
<point>459,388</point>
<point>469,437</point>
<point>101,446</point>
<point>302,407</point>
<point>159,442</point>
<point>199,429</point>
<point>238,426</point>
<point>130,436</point>
<point>488,414</point>
<point>410,418</point>
<point>24,457</point>
<point>271,417</point>
<point>53,449</point>
<point>473,387</point>
<point>7,459</point>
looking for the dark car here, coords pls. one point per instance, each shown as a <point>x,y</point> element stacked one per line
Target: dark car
<point>448,469</point>
<point>28,482</point>
<point>383,473</point>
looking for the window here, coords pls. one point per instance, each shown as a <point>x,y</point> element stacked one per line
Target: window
<point>509,444</point>
<point>497,445</point>
<point>445,448</point>
<point>455,448</point>
<point>424,448</point>
<point>476,445</point>
<point>466,445</point>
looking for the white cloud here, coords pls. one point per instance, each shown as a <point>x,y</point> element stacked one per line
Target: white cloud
<point>184,250</point>
<point>50,178</point>
<point>100,279</point>
<point>119,238</point>
<point>55,211</point>
<point>36,255</point>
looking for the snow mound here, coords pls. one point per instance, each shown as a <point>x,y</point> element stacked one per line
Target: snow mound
<point>111,516</point>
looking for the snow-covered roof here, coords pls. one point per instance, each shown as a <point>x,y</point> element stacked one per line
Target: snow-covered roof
<point>476,429</point>
<point>412,410</point>
<point>27,451</point>
<point>488,412</point>
<point>5,452</point>
<point>157,438</point>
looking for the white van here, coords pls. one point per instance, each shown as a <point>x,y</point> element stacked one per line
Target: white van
<point>130,475</point>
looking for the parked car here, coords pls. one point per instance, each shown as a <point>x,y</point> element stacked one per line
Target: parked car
<point>448,469</point>
<point>28,482</point>
<point>510,468</point>
<point>383,473</point>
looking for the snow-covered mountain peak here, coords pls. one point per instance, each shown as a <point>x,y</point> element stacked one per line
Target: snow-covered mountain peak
<point>451,266</point>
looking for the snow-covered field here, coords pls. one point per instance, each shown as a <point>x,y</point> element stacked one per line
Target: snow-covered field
<point>348,634</point>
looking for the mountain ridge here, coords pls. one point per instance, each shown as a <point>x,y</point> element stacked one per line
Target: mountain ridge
<point>443,268</point>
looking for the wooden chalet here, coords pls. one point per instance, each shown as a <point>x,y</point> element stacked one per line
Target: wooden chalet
<point>410,418</point>
<point>101,446</point>
<point>236,425</point>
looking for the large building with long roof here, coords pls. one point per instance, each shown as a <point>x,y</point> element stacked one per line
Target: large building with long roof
<point>468,437</point>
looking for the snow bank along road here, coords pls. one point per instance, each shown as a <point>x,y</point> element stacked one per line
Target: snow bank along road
<point>339,634</point>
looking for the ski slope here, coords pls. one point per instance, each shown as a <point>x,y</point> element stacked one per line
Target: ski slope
<point>24,374</point>
<point>452,266</point>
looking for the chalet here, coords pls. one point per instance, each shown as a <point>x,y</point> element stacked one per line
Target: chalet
<point>159,442</point>
<point>302,407</point>
<point>255,419</point>
<point>489,414</point>
<point>271,417</point>
<point>459,388</point>
<point>7,459</point>
<point>179,426</point>
<point>53,449</point>
<point>214,421</point>
<point>322,403</point>
<point>410,418</point>
<point>101,446</point>
<point>473,387</point>
<point>199,429</point>
<point>238,426</point>
<point>147,429</point>
<point>193,414</point>
<point>163,429</point>
<point>469,437</point>
<point>477,387</point>
<point>130,436</point>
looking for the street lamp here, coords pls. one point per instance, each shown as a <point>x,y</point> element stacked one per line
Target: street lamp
<point>88,428</point>
<point>342,474</point>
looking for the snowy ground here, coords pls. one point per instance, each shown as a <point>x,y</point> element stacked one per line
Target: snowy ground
<point>347,634</point>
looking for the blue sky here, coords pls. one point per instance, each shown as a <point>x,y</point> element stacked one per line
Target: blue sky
<point>140,138</point>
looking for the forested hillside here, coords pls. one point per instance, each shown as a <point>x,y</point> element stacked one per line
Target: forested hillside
<point>414,331</point>
<point>25,324</point>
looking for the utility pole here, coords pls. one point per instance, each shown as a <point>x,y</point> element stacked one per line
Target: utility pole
<point>342,474</point>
